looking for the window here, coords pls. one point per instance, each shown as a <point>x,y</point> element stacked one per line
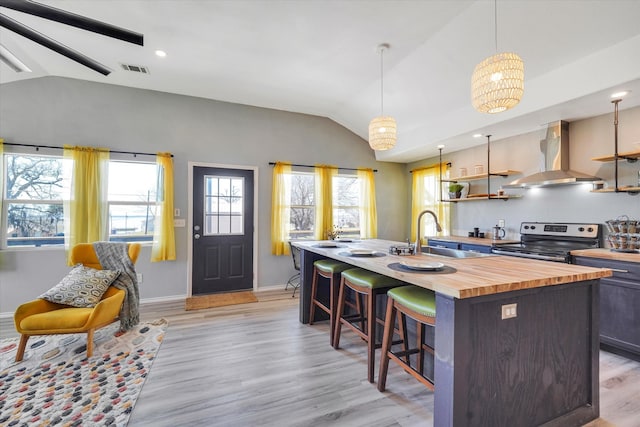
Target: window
<point>302,213</point>
<point>37,185</point>
<point>132,198</point>
<point>224,205</point>
<point>346,205</point>
<point>33,198</point>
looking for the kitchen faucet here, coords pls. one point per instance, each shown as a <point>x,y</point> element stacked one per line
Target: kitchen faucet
<point>418,245</point>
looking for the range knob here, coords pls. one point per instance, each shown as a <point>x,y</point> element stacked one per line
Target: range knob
<point>533,227</point>
<point>590,230</point>
<point>581,229</point>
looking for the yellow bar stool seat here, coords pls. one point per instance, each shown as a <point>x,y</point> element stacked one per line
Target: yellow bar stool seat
<point>420,305</point>
<point>328,269</point>
<point>366,284</point>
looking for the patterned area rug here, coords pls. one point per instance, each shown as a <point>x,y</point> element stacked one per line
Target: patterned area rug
<point>56,384</point>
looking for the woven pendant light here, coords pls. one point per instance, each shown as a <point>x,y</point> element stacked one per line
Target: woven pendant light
<point>497,83</point>
<point>382,129</point>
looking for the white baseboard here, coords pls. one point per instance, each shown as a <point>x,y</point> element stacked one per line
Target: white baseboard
<point>171,298</point>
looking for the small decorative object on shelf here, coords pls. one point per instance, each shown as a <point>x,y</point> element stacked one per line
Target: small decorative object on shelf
<point>335,233</point>
<point>455,191</point>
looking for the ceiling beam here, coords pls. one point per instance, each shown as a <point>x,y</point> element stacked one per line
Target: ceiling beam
<point>74,20</point>
<point>48,42</point>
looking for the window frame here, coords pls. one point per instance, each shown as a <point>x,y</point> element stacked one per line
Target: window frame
<point>58,241</point>
<point>309,234</point>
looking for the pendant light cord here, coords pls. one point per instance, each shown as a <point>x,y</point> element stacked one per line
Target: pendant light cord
<point>495,22</point>
<point>381,82</point>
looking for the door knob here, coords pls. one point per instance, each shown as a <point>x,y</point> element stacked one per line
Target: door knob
<point>196,236</point>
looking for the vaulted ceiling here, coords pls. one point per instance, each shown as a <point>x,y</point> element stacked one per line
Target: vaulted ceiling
<point>319,57</point>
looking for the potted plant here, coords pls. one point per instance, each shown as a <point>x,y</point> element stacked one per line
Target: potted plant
<point>455,191</point>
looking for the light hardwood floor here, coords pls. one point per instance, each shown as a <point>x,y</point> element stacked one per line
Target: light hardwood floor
<point>256,365</point>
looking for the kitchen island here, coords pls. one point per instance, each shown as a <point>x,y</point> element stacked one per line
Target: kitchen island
<point>538,367</point>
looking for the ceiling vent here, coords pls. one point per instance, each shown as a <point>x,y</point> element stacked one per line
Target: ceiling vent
<point>135,68</point>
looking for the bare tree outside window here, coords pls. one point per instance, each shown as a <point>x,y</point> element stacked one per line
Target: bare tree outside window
<point>346,205</point>
<point>302,215</point>
<point>346,202</point>
<point>34,187</point>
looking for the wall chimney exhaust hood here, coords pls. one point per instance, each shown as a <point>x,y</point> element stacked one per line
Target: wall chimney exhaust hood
<point>554,147</point>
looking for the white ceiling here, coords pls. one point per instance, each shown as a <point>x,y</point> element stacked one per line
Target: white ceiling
<point>319,57</point>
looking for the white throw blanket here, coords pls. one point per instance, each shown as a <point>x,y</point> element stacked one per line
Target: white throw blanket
<point>115,256</point>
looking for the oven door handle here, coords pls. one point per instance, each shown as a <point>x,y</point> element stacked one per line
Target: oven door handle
<point>532,256</point>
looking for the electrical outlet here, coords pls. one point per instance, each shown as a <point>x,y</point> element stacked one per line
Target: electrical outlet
<point>501,223</point>
<point>139,277</point>
<point>509,311</point>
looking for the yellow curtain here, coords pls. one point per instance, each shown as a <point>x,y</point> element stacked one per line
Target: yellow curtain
<point>164,241</point>
<point>87,209</point>
<point>368,213</point>
<point>426,195</point>
<point>324,200</point>
<point>280,205</point>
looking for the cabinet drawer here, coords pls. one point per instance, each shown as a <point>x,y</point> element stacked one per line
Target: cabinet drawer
<point>443,244</point>
<point>621,269</point>
<point>475,248</point>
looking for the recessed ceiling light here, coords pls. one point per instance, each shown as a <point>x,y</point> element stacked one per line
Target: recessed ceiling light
<point>161,53</point>
<point>477,135</point>
<point>620,94</point>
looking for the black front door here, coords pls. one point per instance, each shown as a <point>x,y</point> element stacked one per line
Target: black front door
<point>222,230</point>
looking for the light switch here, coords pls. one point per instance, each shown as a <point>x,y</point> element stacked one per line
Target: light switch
<point>179,222</point>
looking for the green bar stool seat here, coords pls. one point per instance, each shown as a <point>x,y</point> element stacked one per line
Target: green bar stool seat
<point>367,284</point>
<point>419,304</point>
<point>328,269</point>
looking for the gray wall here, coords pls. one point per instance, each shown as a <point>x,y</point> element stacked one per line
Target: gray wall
<point>589,138</point>
<point>57,111</point>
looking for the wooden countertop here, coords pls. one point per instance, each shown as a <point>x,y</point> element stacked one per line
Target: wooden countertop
<point>605,253</point>
<point>473,276</point>
<point>472,240</point>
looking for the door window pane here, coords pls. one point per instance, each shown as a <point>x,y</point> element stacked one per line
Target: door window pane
<point>224,205</point>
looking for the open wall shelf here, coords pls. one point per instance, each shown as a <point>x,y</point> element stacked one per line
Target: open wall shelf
<point>482,176</point>
<point>629,156</point>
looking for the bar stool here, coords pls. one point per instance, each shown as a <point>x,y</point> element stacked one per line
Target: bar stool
<point>369,284</point>
<point>329,269</point>
<point>419,304</point>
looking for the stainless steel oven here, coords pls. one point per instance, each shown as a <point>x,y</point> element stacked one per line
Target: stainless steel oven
<point>552,241</point>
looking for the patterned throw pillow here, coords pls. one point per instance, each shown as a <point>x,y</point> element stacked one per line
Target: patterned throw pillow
<point>82,287</point>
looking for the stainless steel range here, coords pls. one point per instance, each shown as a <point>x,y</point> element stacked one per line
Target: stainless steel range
<point>552,241</point>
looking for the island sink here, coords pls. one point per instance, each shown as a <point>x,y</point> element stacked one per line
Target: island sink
<point>452,253</point>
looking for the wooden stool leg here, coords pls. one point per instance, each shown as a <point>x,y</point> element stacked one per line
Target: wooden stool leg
<point>339,310</point>
<point>361,312</point>
<point>420,355</point>
<point>23,344</point>
<point>90,342</point>
<point>333,297</point>
<point>402,331</point>
<point>387,338</point>
<point>314,290</point>
<point>371,335</point>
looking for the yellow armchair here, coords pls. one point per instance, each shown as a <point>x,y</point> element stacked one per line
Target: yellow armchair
<point>41,317</point>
